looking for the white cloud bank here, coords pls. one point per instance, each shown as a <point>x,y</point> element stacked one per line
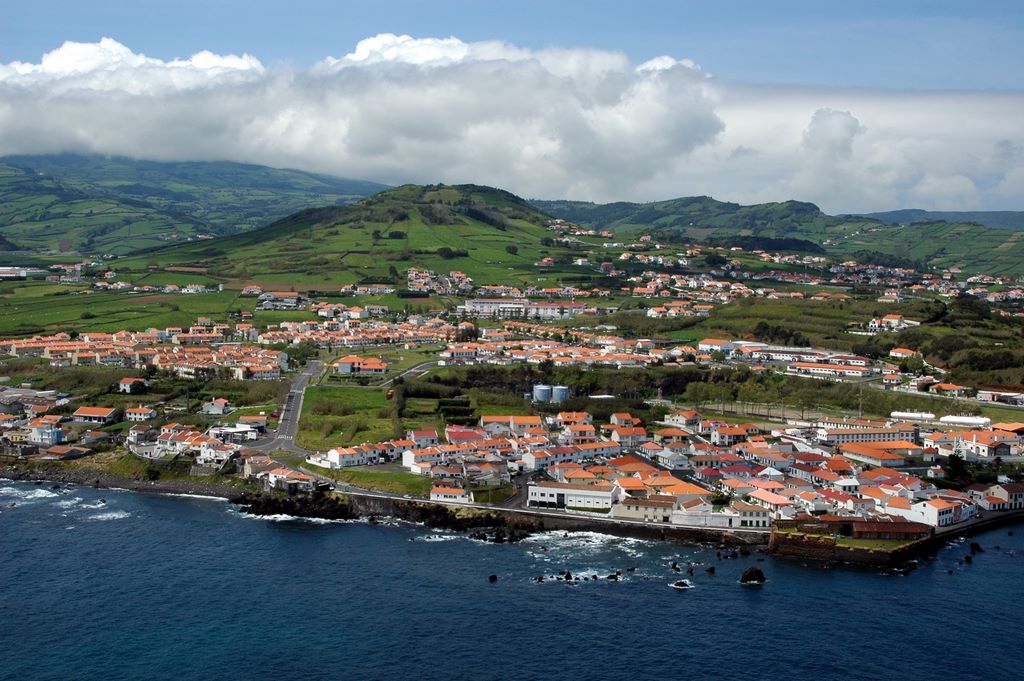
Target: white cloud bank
<point>553,123</point>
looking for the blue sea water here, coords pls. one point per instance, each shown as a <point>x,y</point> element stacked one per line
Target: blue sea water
<point>161,587</point>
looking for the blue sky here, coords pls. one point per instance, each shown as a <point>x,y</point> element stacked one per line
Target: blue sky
<point>900,45</point>
<point>856,106</point>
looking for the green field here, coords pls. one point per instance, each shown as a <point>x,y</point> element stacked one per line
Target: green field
<point>394,482</point>
<point>337,417</point>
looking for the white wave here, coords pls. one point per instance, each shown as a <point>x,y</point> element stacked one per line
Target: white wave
<point>285,518</point>
<point>208,497</point>
<point>70,503</point>
<point>439,537</point>
<point>34,493</point>
<point>94,505</point>
<point>111,515</point>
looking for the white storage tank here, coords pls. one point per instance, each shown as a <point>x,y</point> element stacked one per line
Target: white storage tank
<point>966,421</point>
<point>541,393</point>
<point>559,393</point>
<point>912,415</point>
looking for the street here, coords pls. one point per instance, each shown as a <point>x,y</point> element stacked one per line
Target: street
<point>288,423</point>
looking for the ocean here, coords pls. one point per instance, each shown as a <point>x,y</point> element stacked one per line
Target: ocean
<point>108,584</point>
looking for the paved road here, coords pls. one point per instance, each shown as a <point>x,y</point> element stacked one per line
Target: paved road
<point>288,424</point>
<point>412,372</point>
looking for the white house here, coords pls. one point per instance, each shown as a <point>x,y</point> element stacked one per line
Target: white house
<point>562,495</point>
<point>439,493</point>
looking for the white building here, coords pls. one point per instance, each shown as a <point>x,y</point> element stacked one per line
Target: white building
<point>562,495</point>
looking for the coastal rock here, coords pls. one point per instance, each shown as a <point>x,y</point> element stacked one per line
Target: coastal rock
<point>752,575</point>
<point>313,506</point>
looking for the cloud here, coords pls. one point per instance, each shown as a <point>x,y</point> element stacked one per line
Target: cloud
<point>551,123</point>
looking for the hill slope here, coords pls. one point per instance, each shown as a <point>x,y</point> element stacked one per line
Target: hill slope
<point>939,244</point>
<point>1004,219</point>
<point>491,235</point>
<point>118,205</point>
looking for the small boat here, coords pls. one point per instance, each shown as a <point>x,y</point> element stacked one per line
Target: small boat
<point>682,584</point>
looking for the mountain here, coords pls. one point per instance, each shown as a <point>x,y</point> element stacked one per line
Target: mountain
<point>116,205</point>
<point>489,234</point>
<point>799,226</point>
<point>1003,219</point>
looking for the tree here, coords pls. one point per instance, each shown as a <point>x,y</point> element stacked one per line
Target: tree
<point>956,468</point>
<point>697,393</point>
<point>714,260</point>
<point>511,249</point>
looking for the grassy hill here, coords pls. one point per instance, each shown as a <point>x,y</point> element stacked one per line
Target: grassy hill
<point>937,244</point>
<point>1004,219</point>
<point>491,235</point>
<point>94,204</point>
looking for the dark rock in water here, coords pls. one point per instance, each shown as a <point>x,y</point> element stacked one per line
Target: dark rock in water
<point>594,577</point>
<point>103,501</point>
<point>539,579</point>
<point>612,577</point>
<point>976,548</point>
<point>949,572</point>
<point>1010,533</point>
<point>492,578</point>
<point>710,569</point>
<point>968,558</point>
<point>568,575</point>
<point>39,482</point>
<point>55,487</point>
<point>676,568</point>
<point>675,565</point>
<point>752,575</point>
<point>631,569</point>
<point>314,506</point>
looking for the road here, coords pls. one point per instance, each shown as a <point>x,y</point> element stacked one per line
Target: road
<point>411,372</point>
<point>288,423</point>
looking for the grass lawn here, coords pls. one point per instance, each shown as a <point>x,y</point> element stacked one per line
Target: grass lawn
<point>337,417</point>
<point>494,495</point>
<point>871,543</point>
<point>395,482</point>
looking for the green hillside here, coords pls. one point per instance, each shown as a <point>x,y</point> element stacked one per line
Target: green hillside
<point>94,204</point>
<point>937,244</point>
<point>1005,219</point>
<point>491,235</point>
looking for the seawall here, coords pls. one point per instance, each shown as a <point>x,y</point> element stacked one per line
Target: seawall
<point>513,522</point>
<point>823,548</point>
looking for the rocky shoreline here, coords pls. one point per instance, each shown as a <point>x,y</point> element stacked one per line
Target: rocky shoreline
<point>104,480</point>
<point>499,525</point>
